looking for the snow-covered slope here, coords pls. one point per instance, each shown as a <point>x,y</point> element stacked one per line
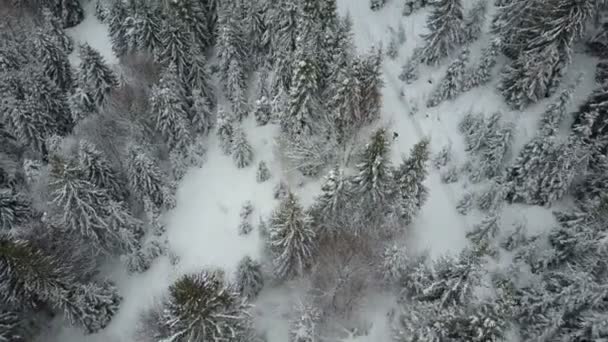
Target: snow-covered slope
<point>202,230</point>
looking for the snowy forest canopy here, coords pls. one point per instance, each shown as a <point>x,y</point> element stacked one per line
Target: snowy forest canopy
<point>93,151</point>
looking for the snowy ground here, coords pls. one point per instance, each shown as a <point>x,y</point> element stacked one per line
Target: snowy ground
<point>202,229</point>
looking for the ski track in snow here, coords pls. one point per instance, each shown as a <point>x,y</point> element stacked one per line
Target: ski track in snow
<point>202,229</point>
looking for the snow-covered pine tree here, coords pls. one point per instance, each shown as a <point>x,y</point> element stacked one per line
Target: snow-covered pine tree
<point>409,71</point>
<point>52,100</point>
<point>446,26</point>
<point>374,183</point>
<point>335,194</point>
<point>30,123</point>
<point>168,103</point>
<point>69,12</point>
<point>496,150</point>
<point>242,153</point>
<point>15,209</point>
<point>376,5</point>
<point>263,173</point>
<point>524,176</point>
<point>453,82</point>
<point>481,73</point>
<point>81,104</point>
<point>540,61</point>
<point>98,170</point>
<point>78,207</point>
<point>200,307</point>
<point>13,326</point>
<point>475,20</point>
<point>200,114</point>
<point>483,235</point>
<point>236,89</point>
<point>410,177</point>
<point>465,204</point>
<point>193,18</point>
<point>369,74</point>
<point>225,130</point>
<point>141,260</point>
<point>175,47</point>
<point>147,29</point>
<point>53,26</point>
<point>199,78</point>
<point>303,327</point>
<point>117,15</point>
<point>291,239</point>
<point>54,60</point>
<point>303,107</point>
<point>146,179</point>
<point>262,111</point>
<point>443,157</point>
<point>31,278</point>
<point>249,279</point>
<point>95,76</point>
<point>345,104</point>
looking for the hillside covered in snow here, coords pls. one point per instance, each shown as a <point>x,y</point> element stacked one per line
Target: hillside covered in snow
<point>303,170</point>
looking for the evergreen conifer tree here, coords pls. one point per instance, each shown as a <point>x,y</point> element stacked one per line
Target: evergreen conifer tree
<point>242,153</point>
<point>481,73</point>
<point>98,170</point>
<point>453,82</point>
<point>475,20</point>
<point>169,106</point>
<point>117,15</point>
<point>335,194</point>
<point>193,17</point>
<point>198,77</point>
<point>147,30</point>
<point>374,183</point>
<point>54,61</point>
<point>54,27</point>
<point>200,113</point>
<point>249,278</point>
<point>15,209</point>
<point>369,75</point>
<point>95,76</point>
<point>445,24</point>
<point>410,176</point>
<point>201,307</point>
<point>146,180</point>
<point>291,239</point>
<point>175,47</point>
<point>225,130</point>
<point>263,173</point>
<point>376,5</point>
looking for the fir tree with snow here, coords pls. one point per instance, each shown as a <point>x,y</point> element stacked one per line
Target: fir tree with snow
<point>95,76</point>
<point>346,105</point>
<point>54,27</point>
<point>200,114</point>
<point>303,327</point>
<point>262,111</point>
<point>193,18</point>
<point>453,82</point>
<point>12,327</point>
<point>409,72</point>
<point>242,153</point>
<point>374,183</point>
<point>291,239</point>
<point>483,235</point>
<point>369,74</point>
<point>175,47</point>
<point>236,89</point>
<point>54,60</point>
<point>303,104</point>
<point>168,103</point>
<point>81,104</point>
<point>147,29</point>
<point>450,175</point>
<point>376,5</point>
<point>200,307</point>
<point>117,14</point>
<point>198,76</point>
<point>335,194</point>
<point>15,209</point>
<point>475,20</point>
<point>225,131</point>
<point>98,170</point>
<point>481,73</point>
<point>263,172</point>
<point>146,179</point>
<point>492,196</point>
<point>465,204</point>
<point>410,177</point>
<point>446,31</point>
<point>249,278</point>
<point>141,260</point>
<point>443,157</point>
<point>44,279</point>
<point>496,151</point>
